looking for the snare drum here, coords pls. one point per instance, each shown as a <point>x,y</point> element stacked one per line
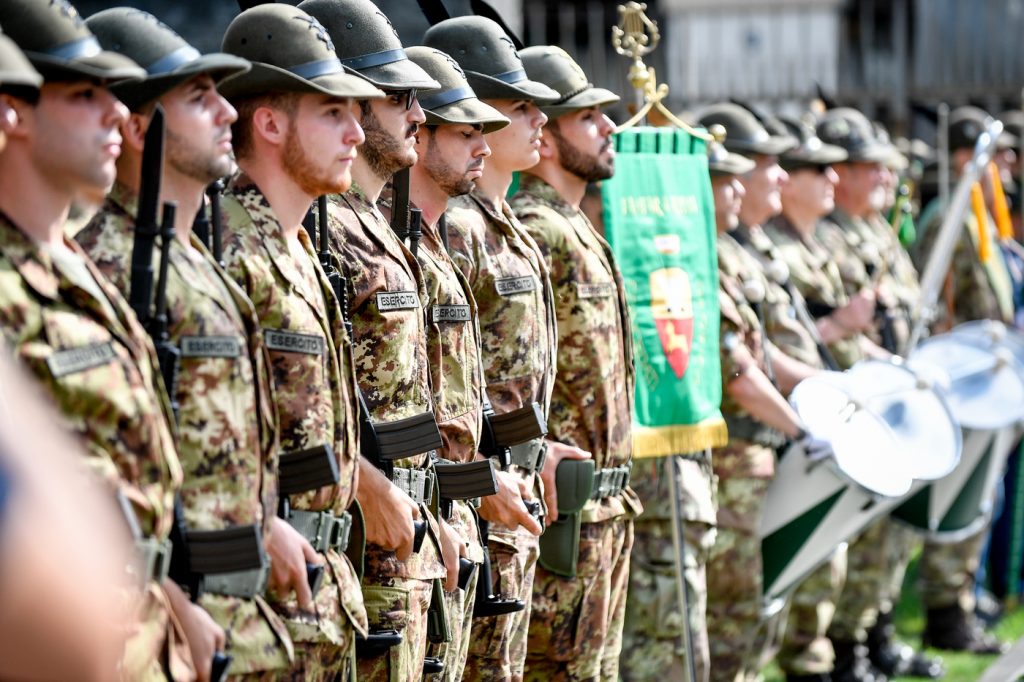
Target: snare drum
<point>977,369</point>
<point>812,507</point>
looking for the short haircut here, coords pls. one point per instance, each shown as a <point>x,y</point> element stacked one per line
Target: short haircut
<point>241,129</point>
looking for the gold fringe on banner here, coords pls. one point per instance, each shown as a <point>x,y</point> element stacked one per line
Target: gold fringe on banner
<point>1000,207</point>
<point>981,219</point>
<point>678,439</point>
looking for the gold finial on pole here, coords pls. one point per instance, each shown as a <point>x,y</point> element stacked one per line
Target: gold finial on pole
<point>635,37</point>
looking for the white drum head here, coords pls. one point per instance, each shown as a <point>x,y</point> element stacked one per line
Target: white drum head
<point>866,451</point>
<point>981,383</point>
<point>930,439</point>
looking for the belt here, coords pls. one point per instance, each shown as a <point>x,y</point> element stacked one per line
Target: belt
<point>417,483</point>
<point>530,455</point>
<point>154,560</point>
<point>323,529</point>
<point>610,482</point>
<point>745,428</point>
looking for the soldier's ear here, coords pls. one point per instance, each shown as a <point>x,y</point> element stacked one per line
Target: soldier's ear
<point>13,112</point>
<point>270,124</point>
<point>548,148</point>
<point>133,131</point>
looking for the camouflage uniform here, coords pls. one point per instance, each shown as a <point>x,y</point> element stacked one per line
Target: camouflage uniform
<point>453,352</point>
<point>392,369</point>
<point>805,649</point>
<point>311,366</point>
<point>511,286</point>
<point>226,412</point>
<point>738,637</point>
<point>576,626</point>
<point>77,335</point>
<point>870,256</point>
<point>975,291</point>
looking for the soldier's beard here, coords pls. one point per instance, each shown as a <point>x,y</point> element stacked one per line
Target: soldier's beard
<point>588,167</point>
<point>302,168</point>
<point>383,152</point>
<point>183,157</point>
<point>448,178</point>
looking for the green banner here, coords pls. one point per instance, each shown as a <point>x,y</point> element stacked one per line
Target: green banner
<point>660,221</point>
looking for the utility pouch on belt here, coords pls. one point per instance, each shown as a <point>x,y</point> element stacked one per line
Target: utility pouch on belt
<point>560,543</point>
<point>438,631</point>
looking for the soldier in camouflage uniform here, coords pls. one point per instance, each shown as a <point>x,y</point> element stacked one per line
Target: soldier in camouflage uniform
<point>386,292</point>
<point>451,150</point>
<point>511,286</point>
<point>576,626</point>
<point>72,330</point>
<point>806,652</point>
<point>741,639</point>
<point>283,115</point>
<point>976,290</point>
<point>871,258</point>
<point>227,425</point>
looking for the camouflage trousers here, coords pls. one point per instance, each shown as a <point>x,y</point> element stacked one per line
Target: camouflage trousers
<point>876,564</point>
<point>741,643</point>
<point>948,572</point>
<point>400,604</point>
<point>156,648</point>
<point>497,648</point>
<point>806,648</point>
<point>576,626</point>
<point>653,646</point>
<point>257,638</point>
<point>316,661</point>
<point>459,603</point>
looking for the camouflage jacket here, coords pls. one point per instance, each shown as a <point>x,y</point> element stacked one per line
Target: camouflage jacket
<point>311,367</point>
<point>815,275</point>
<point>385,303</point>
<point>100,367</point>
<point>740,329</point>
<point>974,290</point>
<point>227,426</point>
<point>781,323</point>
<point>592,400</point>
<point>512,288</point>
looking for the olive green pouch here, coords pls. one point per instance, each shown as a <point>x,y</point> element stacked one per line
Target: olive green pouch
<point>560,543</point>
<point>438,630</point>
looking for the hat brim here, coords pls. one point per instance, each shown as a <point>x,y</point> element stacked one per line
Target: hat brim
<point>15,69</point>
<point>869,153</point>
<point>591,97</point>
<point>263,78</point>
<point>774,145</point>
<point>488,87</point>
<point>732,164</point>
<point>218,66</point>
<point>824,155</point>
<point>106,66</point>
<point>469,111</point>
<point>1007,140</point>
<point>403,74</point>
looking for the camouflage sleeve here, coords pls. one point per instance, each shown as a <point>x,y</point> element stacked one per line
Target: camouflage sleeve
<point>466,241</point>
<point>730,339</point>
<point>550,240</point>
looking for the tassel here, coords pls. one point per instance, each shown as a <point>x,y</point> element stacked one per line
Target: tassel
<point>981,219</point>
<point>1001,209</point>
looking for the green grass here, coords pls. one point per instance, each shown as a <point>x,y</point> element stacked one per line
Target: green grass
<point>910,623</point>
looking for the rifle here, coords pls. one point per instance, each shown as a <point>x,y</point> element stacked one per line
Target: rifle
<point>216,220</point>
<point>167,354</point>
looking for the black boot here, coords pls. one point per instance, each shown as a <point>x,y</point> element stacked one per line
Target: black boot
<point>852,664</point>
<point>811,677</point>
<point>896,658</point>
<point>953,629</point>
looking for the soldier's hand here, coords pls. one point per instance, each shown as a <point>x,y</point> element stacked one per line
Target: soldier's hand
<point>859,313</point>
<point>506,507</point>
<point>388,513</point>
<point>203,634</point>
<point>289,553</point>
<point>556,453</point>
<point>452,547</point>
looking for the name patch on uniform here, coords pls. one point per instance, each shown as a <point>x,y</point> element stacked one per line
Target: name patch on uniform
<point>388,301</point>
<point>510,286</point>
<point>210,347</point>
<point>292,342</point>
<point>79,359</point>
<point>595,289</point>
<point>449,313</point>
